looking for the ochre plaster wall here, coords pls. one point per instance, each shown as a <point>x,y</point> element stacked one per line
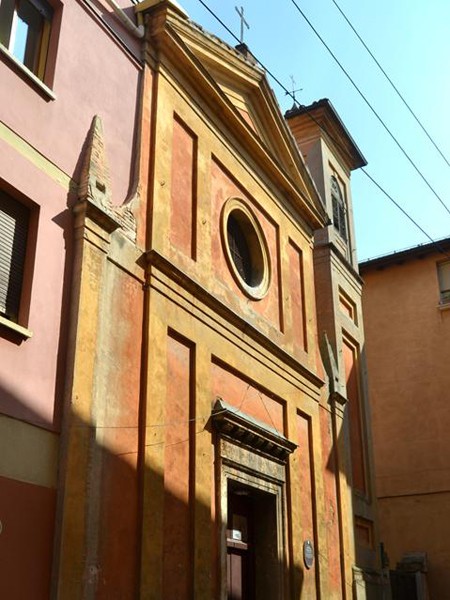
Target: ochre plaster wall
<point>183,189</point>
<point>222,188</point>
<point>331,510</point>
<point>218,172</point>
<point>116,415</point>
<point>419,523</point>
<point>178,442</point>
<point>407,342</point>
<point>247,397</point>
<point>251,385</point>
<point>308,503</point>
<point>338,290</point>
<point>97,545</point>
<point>208,339</point>
<point>297,295</point>
<point>351,364</point>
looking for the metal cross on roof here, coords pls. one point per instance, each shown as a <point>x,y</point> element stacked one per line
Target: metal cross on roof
<point>243,22</point>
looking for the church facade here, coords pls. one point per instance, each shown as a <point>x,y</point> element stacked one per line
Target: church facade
<point>215,438</point>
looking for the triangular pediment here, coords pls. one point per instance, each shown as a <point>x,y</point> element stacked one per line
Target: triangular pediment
<point>258,110</point>
<point>235,87</point>
<point>245,85</point>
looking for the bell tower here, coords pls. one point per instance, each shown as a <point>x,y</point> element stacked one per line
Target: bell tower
<point>331,155</point>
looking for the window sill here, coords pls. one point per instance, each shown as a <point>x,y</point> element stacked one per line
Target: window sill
<point>22,331</point>
<point>444,306</point>
<point>29,74</point>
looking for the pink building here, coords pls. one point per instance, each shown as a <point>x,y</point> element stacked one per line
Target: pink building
<point>61,63</point>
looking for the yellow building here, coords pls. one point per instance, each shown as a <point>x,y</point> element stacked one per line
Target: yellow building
<point>207,452</point>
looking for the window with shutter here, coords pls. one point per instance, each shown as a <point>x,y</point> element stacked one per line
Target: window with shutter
<point>14,218</point>
<point>444,281</point>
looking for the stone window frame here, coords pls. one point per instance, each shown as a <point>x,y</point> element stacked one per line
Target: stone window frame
<point>257,244</point>
<point>443,274</point>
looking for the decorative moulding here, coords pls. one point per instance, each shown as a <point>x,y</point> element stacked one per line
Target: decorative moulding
<point>250,433</point>
<point>145,5</point>
<point>158,262</point>
<point>27,73</point>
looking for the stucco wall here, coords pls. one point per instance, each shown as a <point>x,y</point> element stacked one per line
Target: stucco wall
<point>407,339</point>
<point>41,144</point>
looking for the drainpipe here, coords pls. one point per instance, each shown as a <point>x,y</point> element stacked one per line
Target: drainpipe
<point>126,21</point>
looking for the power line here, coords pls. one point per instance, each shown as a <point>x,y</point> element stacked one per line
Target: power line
<point>380,187</point>
<point>407,215</point>
<point>346,73</point>
<point>220,21</point>
<point>338,144</point>
<point>399,94</point>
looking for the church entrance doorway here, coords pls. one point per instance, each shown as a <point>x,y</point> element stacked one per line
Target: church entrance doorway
<point>252,544</point>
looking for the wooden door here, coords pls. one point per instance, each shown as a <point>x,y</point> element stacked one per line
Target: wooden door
<point>240,547</point>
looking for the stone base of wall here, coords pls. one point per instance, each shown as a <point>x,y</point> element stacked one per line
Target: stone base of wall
<point>369,584</point>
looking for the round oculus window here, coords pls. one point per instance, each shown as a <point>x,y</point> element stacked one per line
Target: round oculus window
<point>245,248</point>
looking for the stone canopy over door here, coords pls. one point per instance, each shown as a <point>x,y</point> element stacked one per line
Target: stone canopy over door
<point>251,479</point>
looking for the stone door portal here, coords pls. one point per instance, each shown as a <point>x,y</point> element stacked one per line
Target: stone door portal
<point>251,479</point>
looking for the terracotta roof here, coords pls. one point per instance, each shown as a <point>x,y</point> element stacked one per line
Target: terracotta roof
<point>441,246</point>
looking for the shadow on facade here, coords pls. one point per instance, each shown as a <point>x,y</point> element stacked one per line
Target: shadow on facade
<point>99,539</point>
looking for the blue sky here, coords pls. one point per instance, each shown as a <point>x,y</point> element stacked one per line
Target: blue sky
<point>410,38</point>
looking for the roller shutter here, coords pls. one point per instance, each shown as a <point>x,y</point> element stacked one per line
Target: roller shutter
<point>14,219</point>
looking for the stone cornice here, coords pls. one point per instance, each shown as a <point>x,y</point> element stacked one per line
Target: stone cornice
<point>338,398</point>
<point>251,433</point>
<point>323,116</point>
<point>102,217</point>
<point>343,259</point>
<point>156,259</point>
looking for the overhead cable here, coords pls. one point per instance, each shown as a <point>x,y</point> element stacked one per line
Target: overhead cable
<point>394,87</point>
<point>338,144</point>
<point>407,215</point>
<point>346,73</point>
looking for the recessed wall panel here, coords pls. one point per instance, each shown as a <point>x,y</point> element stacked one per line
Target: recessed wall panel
<point>183,189</point>
<point>177,559</point>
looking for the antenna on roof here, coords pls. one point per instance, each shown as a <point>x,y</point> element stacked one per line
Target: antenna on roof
<point>294,91</point>
<point>243,22</point>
